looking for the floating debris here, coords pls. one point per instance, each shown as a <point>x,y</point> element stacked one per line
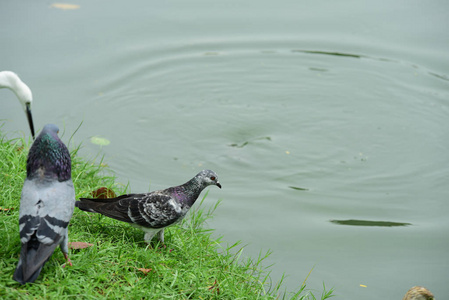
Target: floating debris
<point>65,6</point>
<point>298,188</point>
<point>318,69</point>
<point>369,223</point>
<point>239,146</point>
<point>329,53</point>
<point>98,140</point>
<point>250,141</point>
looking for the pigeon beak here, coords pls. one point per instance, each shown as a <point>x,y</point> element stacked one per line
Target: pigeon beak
<point>219,185</point>
<point>30,118</point>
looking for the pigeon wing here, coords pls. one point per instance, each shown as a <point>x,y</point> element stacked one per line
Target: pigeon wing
<point>156,210</point>
<point>45,212</point>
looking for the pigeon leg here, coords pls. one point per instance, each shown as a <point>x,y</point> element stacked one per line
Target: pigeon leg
<point>149,234</point>
<point>66,256</point>
<point>161,236</point>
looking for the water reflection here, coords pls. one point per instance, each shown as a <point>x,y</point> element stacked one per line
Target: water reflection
<point>353,222</point>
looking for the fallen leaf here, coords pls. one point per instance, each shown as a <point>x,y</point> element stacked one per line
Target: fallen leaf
<point>79,245</point>
<point>214,287</point>
<point>144,271</point>
<point>65,6</point>
<point>103,193</point>
<point>362,285</point>
<point>6,210</point>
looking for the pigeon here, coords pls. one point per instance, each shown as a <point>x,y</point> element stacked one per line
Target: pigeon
<point>153,211</point>
<point>46,205</point>
<point>11,81</point>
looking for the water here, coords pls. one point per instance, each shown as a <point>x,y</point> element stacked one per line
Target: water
<point>326,121</point>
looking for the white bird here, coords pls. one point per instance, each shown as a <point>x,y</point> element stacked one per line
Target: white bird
<point>11,81</point>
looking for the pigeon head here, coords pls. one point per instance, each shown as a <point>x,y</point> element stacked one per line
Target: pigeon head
<point>50,128</point>
<point>48,156</point>
<point>189,191</point>
<point>208,177</point>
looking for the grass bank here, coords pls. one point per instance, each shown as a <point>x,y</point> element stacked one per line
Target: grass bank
<point>119,264</point>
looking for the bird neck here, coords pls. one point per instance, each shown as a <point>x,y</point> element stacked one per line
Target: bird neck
<point>189,191</point>
<point>48,159</point>
<point>11,81</point>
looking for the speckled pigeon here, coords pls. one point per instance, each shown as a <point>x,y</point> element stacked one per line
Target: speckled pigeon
<point>46,205</point>
<point>154,211</point>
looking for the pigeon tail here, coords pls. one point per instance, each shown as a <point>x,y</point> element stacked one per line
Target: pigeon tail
<point>88,204</point>
<point>83,205</point>
<point>20,277</point>
<point>106,207</point>
<point>33,256</point>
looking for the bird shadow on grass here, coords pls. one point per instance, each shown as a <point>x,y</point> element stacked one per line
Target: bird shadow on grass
<point>101,228</point>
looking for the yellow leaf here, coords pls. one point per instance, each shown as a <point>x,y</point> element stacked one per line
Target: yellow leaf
<point>362,285</point>
<point>65,6</point>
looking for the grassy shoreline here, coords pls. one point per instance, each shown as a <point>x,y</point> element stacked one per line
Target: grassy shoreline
<point>193,265</point>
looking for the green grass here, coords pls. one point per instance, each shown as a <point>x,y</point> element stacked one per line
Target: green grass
<point>193,265</point>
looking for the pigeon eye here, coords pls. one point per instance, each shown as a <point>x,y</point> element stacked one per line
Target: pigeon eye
<point>212,178</point>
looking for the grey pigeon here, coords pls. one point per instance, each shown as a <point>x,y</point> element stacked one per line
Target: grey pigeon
<point>46,205</point>
<point>154,211</point>
<point>11,81</point>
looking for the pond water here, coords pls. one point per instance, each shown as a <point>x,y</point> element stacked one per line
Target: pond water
<point>327,121</point>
